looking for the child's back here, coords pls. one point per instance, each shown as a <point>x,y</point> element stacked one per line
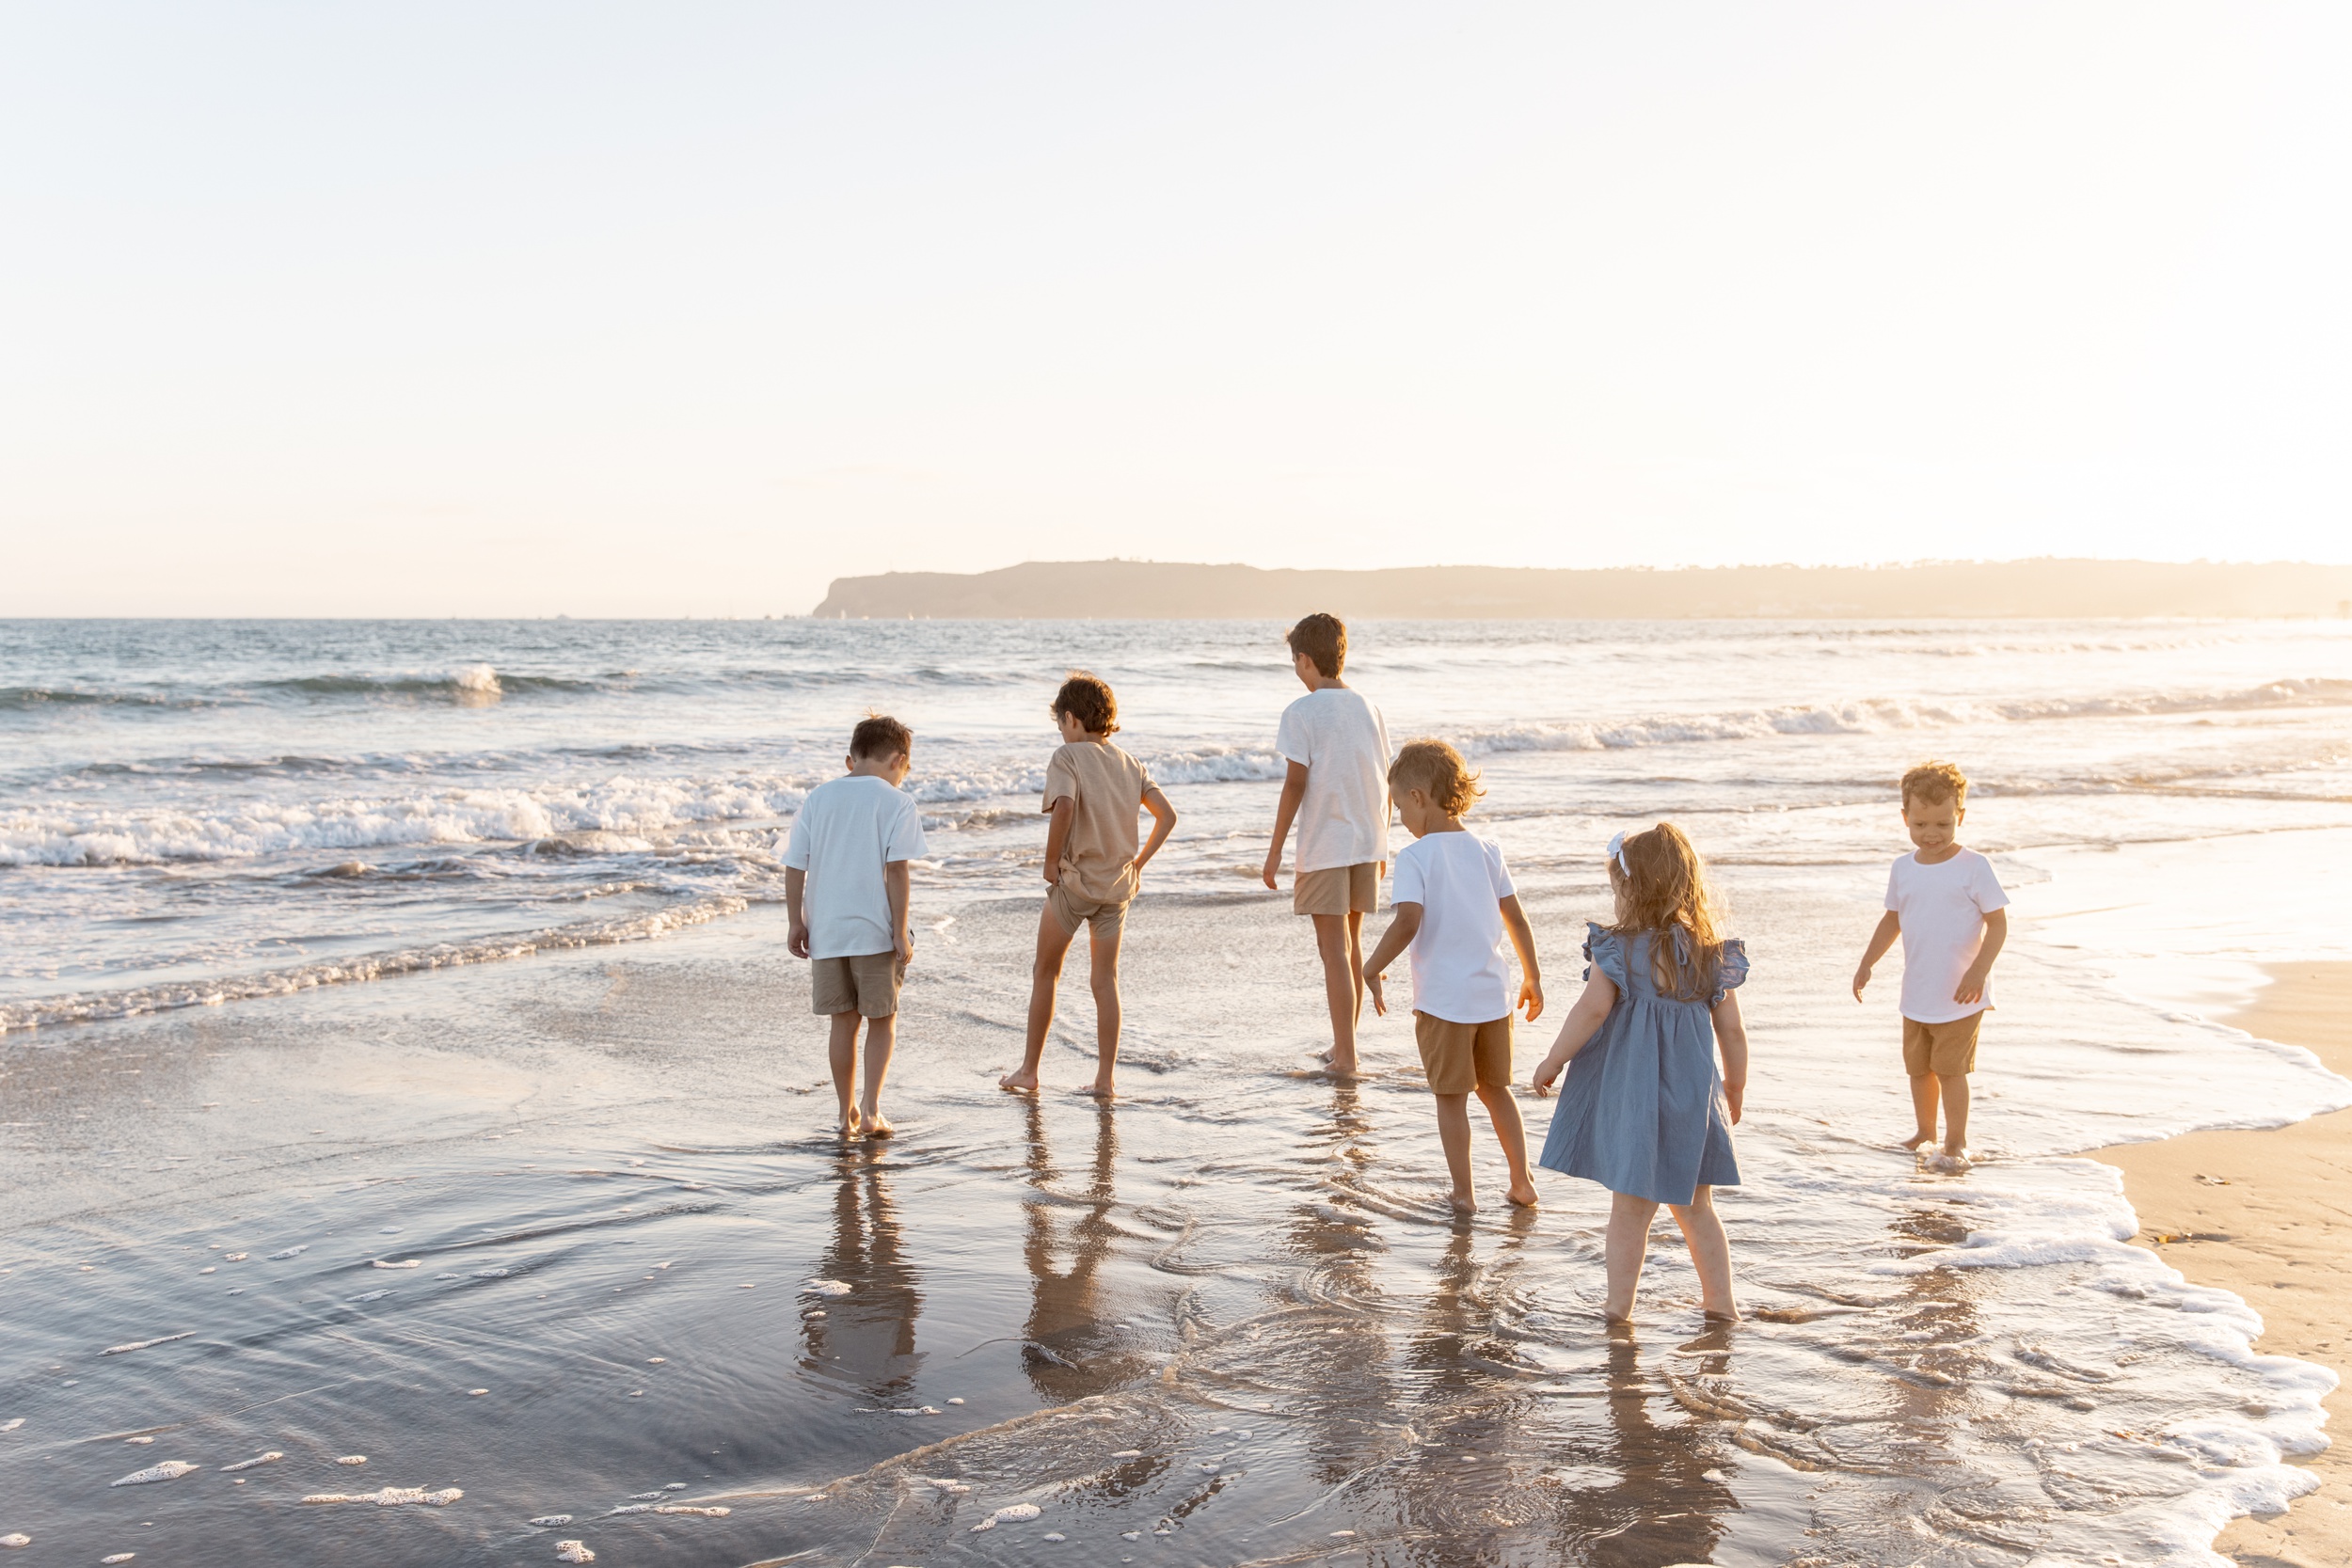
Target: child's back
<point>1459,879</point>
<point>845,835</point>
<point>1107,786</point>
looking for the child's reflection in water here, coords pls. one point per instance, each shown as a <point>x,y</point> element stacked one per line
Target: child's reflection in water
<point>866,1338</point>
<point>1069,1350</point>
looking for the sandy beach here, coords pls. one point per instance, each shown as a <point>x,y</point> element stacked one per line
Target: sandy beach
<point>2268,1215</point>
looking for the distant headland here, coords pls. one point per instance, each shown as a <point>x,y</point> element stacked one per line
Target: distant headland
<point>1151,589</point>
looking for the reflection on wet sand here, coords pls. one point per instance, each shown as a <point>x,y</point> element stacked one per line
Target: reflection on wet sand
<point>1065,1240</point>
<point>866,1338</point>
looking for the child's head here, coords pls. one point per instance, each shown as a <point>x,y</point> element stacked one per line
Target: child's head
<point>881,746</point>
<point>1435,772</point>
<point>1321,640</point>
<point>1660,883</point>
<point>1935,803</point>
<point>1086,701</point>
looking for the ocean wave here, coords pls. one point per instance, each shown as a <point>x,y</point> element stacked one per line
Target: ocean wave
<point>88,1007</point>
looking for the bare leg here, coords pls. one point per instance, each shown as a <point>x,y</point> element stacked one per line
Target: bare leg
<point>1923,1092</point>
<point>882,1036</point>
<point>1710,1253</point>
<point>1624,1249</point>
<point>1044,975</point>
<point>1102,976</point>
<point>841,1052</point>
<point>1338,939</point>
<point>1956,1114</point>
<point>1454,1133</point>
<point>1504,1111</point>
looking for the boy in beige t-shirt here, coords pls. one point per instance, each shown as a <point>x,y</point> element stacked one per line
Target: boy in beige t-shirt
<point>1092,792</point>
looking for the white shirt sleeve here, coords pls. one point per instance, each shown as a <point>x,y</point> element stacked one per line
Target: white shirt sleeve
<point>1893,875</point>
<point>1290,738</point>
<point>1406,886</point>
<point>1498,874</point>
<point>1985,887</point>
<point>796,849</point>
<point>906,840</point>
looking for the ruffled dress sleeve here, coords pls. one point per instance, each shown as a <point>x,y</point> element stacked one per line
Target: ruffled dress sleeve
<point>1731,968</point>
<point>1604,950</point>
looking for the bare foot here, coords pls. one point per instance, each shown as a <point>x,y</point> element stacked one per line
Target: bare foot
<point>849,1122</point>
<point>876,1124</point>
<point>1018,1083</point>
<point>1955,1159</point>
<point>1918,1141</point>
<point>1101,1089</point>
<point>1522,1194</point>
<point>1343,1064</point>
<point>1730,1316</point>
<point>1464,1204</point>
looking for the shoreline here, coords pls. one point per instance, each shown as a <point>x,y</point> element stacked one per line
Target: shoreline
<point>2267,1214</point>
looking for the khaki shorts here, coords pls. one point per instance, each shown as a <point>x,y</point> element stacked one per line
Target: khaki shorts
<point>1107,920</point>
<point>866,984</point>
<point>1337,890</point>
<point>1947,1050</point>
<point>1459,1057</point>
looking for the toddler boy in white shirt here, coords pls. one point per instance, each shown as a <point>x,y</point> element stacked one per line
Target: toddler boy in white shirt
<point>1337,791</point>
<point>1948,908</point>
<point>845,887</point>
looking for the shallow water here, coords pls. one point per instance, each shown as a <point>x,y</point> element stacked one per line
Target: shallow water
<point>1231,1307</point>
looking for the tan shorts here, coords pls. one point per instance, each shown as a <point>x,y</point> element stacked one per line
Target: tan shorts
<point>1337,890</point>
<point>1107,920</point>
<point>866,984</point>
<point>1459,1058</point>
<point>1947,1050</point>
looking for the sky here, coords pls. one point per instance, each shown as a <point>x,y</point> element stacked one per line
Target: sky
<point>536,309</point>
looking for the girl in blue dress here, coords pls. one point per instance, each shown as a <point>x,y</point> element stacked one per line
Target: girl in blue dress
<point>1644,1112</point>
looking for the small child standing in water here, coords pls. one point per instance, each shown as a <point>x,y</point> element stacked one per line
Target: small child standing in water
<point>1454,901</point>
<point>1643,1112</point>
<point>1948,908</point>
<point>1093,791</point>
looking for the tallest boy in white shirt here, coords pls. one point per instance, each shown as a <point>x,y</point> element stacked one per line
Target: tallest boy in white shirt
<point>1337,791</point>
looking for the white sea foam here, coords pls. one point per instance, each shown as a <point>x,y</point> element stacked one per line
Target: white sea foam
<point>146,1344</point>
<point>573,1551</point>
<point>270,1458</point>
<point>390,1496</point>
<point>171,1469</point>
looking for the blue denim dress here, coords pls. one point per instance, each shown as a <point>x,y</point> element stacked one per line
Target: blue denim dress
<point>1643,1111</point>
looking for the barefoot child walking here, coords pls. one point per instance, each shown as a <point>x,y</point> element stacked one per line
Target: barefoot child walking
<point>1092,792</point>
<point>1948,908</point>
<point>845,889</point>
<point>1454,901</point>
<point>1643,1112</point>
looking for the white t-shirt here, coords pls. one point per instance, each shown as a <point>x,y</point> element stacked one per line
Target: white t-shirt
<point>846,830</point>
<point>1459,881</point>
<point>1339,739</point>
<point>1941,909</point>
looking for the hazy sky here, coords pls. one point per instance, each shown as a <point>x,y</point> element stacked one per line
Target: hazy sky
<point>687,307</point>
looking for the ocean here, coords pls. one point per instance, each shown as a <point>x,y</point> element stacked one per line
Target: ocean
<point>400,1063</point>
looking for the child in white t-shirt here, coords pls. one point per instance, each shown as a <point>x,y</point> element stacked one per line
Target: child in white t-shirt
<point>1454,901</point>
<point>1949,906</point>
<point>1337,792</point>
<point>845,887</point>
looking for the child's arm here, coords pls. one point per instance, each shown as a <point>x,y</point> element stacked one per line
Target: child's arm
<point>1163,824</point>
<point>1523,943</point>
<point>1995,934</point>
<point>1577,1031</point>
<point>795,884</point>
<point>1398,937</point>
<point>1285,811</point>
<point>1890,927</point>
<point>896,881</point>
<point>1731,1038</point>
<point>1064,811</point>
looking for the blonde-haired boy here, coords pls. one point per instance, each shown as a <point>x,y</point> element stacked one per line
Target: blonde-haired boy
<point>1454,901</point>
<point>1948,908</point>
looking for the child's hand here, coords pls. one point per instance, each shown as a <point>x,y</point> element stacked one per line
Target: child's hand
<point>904,946</point>
<point>1371,983</point>
<point>1861,978</point>
<point>1532,998</point>
<point>797,943</point>
<point>1971,987</point>
<point>1273,868</point>
<point>1547,1071</point>
<point>1733,1094</point>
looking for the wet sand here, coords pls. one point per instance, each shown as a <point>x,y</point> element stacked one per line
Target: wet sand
<point>2268,1215</point>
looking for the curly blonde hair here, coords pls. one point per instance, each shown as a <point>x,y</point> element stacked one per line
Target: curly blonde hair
<point>1935,782</point>
<point>1662,886</point>
<point>1438,772</point>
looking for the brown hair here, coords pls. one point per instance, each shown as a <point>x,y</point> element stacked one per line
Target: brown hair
<point>1935,782</point>
<point>877,734</point>
<point>1663,885</point>
<point>1087,697</point>
<point>1323,639</point>
<point>1437,770</point>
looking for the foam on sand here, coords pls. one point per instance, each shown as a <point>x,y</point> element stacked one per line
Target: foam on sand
<point>270,1458</point>
<point>390,1496</point>
<point>573,1551</point>
<point>171,1469</point>
<point>146,1344</point>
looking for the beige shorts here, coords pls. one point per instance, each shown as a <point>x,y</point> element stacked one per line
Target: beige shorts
<point>1947,1050</point>
<point>1337,890</point>
<point>1459,1058</point>
<point>866,984</point>
<point>1107,920</point>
